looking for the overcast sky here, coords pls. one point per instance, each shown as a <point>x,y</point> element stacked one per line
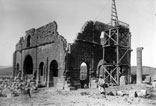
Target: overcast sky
<point>17,16</point>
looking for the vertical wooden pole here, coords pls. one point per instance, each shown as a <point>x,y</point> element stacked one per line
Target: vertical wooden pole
<point>117,55</point>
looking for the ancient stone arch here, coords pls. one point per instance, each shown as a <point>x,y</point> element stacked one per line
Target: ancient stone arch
<point>84,74</point>
<point>28,65</point>
<point>53,73</point>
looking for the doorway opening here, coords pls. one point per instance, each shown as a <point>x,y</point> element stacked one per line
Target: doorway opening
<point>53,73</point>
<point>28,65</point>
<point>84,75</point>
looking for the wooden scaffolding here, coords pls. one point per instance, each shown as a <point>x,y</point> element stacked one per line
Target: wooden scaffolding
<point>116,43</point>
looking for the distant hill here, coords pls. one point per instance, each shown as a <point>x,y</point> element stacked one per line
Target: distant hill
<point>1,67</point>
<point>6,71</point>
<point>145,71</point>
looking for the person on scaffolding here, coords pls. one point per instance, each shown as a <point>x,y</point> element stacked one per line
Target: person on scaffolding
<point>101,85</point>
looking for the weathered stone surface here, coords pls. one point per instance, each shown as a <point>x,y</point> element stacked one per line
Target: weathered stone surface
<point>10,95</point>
<point>41,53</point>
<point>139,65</point>
<point>7,93</point>
<point>121,93</point>
<point>86,48</point>
<point>94,83</point>
<point>147,80</point>
<point>141,93</point>
<point>154,84</point>
<point>132,93</point>
<point>112,93</point>
<point>69,88</point>
<point>44,54</point>
<point>123,80</point>
<point>61,84</point>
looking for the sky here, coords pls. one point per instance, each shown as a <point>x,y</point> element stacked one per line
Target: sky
<point>17,16</point>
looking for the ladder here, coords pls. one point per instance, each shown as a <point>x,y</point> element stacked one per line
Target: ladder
<point>114,16</point>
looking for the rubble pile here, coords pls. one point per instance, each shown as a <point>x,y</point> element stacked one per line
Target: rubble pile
<point>131,90</point>
<point>11,88</point>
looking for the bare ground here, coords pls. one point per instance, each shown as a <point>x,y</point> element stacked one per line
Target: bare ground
<point>81,97</point>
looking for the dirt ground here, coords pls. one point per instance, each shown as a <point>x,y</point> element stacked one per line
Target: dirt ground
<point>80,97</point>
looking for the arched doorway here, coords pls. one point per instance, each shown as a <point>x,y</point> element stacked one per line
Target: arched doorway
<point>53,75</point>
<point>84,78</point>
<point>28,65</point>
<point>41,74</point>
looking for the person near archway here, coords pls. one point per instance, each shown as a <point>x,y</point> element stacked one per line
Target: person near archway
<point>101,85</point>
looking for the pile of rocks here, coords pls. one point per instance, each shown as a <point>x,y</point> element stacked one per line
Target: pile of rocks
<point>129,90</point>
<point>10,87</point>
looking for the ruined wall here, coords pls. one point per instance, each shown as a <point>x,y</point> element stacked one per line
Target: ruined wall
<point>87,49</point>
<point>44,45</point>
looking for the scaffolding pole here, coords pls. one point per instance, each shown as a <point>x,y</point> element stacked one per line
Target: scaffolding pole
<point>117,38</point>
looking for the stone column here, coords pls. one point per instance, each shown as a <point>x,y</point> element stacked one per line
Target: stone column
<point>139,65</point>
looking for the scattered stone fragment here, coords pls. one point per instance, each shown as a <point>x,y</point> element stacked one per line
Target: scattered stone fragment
<point>110,93</point>
<point>147,80</point>
<point>132,93</point>
<point>10,88</point>
<point>141,93</point>
<point>123,80</point>
<point>120,93</point>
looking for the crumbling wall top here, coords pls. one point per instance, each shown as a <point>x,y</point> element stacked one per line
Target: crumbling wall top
<point>91,31</point>
<point>40,36</point>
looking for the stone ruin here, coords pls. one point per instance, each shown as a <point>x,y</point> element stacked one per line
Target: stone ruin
<point>44,55</point>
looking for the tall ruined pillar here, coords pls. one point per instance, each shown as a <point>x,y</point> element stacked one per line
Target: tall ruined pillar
<point>139,65</point>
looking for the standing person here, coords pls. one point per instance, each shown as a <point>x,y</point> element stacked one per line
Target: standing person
<point>101,85</point>
<point>28,87</point>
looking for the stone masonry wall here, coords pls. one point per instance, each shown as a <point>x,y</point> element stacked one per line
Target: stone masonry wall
<point>86,48</point>
<point>45,46</point>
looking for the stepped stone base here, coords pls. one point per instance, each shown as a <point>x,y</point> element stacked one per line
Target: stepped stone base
<point>123,80</point>
<point>93,83</point>
<point>60,83</point>
<point>68,87</point>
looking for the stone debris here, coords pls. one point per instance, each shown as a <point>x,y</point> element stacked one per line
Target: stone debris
<point>94,83</point>
<point>111,93</point>
<point>141,93</point>
<point>138,93</point>
<point>121,93</point>
<point>132,93</point>
<point>154,84</point>
<point>147,80</point>
<point>123,80</point>
<point>11,88</point>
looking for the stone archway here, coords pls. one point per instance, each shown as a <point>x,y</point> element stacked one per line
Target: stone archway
<point>84,75</point>
<point>28,65</point>
<point>53,75</point>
